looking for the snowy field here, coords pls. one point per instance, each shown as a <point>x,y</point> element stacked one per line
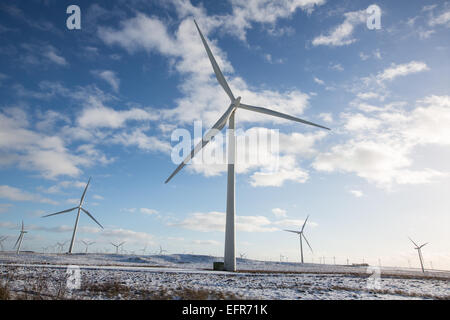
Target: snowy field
<point>184,276</point>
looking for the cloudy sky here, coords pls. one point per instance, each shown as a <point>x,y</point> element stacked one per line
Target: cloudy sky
<point>103,102</point>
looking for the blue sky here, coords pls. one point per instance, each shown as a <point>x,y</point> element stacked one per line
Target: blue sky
<point>103,101</point>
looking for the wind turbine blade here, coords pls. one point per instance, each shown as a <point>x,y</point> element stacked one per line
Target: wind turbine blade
<point>278,114</point>
<point>307,242</point>
<point>215,66</point>
<point>64,211</point>
<point>304,223</point>
<point>90,215</point>
<point>122,243</point>
<point>293,231</point>
<point>423,245</point>
<point>84,192</point>
<point>413,242</point>
<point>208,136</point>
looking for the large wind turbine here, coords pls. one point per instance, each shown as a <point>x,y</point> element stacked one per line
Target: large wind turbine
<point>419,251</point>
<point>229,116</point>
<point>301,235</point>
<point>20,239</point>
<point>80,208</point>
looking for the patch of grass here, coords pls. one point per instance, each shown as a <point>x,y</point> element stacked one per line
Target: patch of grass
<point>115,289</point>
<point>5,294</point>
<point>394,292</point>
<point>111,289</point>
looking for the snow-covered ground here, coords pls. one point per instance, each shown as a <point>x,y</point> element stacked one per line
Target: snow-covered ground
<point>135,276</point>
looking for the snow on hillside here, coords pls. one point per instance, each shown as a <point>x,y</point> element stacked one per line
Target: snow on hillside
<point>255,279</point>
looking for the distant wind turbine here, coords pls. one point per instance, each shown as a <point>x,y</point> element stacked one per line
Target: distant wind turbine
<point>161,251</point>
<point>80,208</point>
<point>419,251</point>
<point>301,235</point>
<point>20,239</point>
<point>117,246</point>
<point>87,244</point>
<point>229,116</point>
<point>1,241</point>
<point>61,246</point>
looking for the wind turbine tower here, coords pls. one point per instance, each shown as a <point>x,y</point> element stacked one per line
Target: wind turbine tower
<point>1,242</point>
<point>20,239</point>
<point>80,208</point>
<point>301,235</point>
<point>419,251</point>
<point>229,116</point>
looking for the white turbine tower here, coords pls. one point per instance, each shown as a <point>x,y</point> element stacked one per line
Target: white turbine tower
<point>301,235</point>
<point>20,239</point>
<point>229,116</point>
<point>1,242</point>
<point>117,246</point>
<point>87,244</point>
<point>419,251</point>
<point>80,208</point>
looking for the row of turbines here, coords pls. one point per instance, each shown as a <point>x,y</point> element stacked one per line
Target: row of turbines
<point>302,237</point>
<point>161,251</point>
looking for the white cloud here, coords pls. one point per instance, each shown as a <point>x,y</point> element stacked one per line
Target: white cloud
<point>15,194</point>
<point>215,221</point>
<point>326,116</point>
<point>357,193</point>
<point>110,77</point>
<point>98,197</point>
<point>318,81</point>
<point>32,150</point>
<point>337,67</point>
<point>206,242</point>
<point>73,201</point>
<point>148,211</point>
<point>402,70</point>
<point>51,54</point>
<point>263,11</point>
<point>342,34</point>
<point>139,139</point>
<point>363,56</point>
<point>279,212</point>
<point>442,19</point>
<point>382,145</point>
<point>267,166</point>
<point>201,93</point>
<point>105,117</point>
<point>368,95</point>
<point>294,223</point>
